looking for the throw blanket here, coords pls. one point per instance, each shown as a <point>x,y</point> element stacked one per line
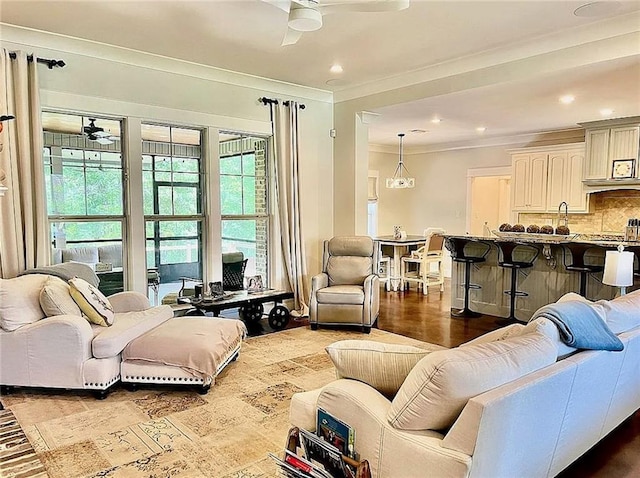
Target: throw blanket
<point>66,271</point>
<point>580,326</point>
<point>196,345</point>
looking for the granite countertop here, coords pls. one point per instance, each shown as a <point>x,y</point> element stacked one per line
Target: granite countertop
<point>603,240</point>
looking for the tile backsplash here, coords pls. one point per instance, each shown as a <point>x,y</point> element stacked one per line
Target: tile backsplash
<point>608,213</point>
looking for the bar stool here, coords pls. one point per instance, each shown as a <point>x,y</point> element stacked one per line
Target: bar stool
<point>456,246</point>
<point>578,252</point>
<point>636,251</point>
<point>507,249</point>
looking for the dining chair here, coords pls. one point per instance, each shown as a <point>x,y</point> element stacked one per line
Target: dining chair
<point>431,253</point>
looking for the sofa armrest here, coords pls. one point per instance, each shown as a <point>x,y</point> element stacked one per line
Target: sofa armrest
<point>50,352</point>
<point>318,282</point>
<point>129,301</point>
<point>361,407</point>
<point>371,299</point>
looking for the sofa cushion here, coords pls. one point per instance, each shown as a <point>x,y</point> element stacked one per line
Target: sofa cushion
<point>93,304</point>
<point>55,298</point>
<point>87,255</point>
<point>348,269</point>
<point>502,333</point>
<point>110,341</point>
<point>20,301</point>
<point>382,366</point>
<point>341,294</point>
<point>111,254</point>
<point>547,328</point>
<point>439,386</point>
<point>623,313</point>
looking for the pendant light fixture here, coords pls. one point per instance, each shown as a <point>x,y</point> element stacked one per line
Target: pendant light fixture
<point>400,179</point>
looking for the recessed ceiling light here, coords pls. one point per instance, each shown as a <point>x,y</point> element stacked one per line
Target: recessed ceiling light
<point>336,69</point>
<point>481,129</point>
<point>436,120</point>
<point>606,112</point>
<point>597,9</point>
<point>567,99</point>
<point>418,131</point>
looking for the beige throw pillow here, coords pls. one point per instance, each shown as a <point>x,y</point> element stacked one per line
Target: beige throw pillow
<point>19,301</point>
<point>55,298</point>
<point>439,386</point>
<point>382,366</point>
<point>93,304</point>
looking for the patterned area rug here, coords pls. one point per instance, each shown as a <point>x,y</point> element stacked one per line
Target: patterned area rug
<point>158,432</point>
<point>17,457</point>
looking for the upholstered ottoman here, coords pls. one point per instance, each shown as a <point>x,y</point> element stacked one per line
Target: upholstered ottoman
<point>188,351</point>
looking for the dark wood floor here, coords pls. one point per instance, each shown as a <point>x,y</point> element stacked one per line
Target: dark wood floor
<point>427,318</point>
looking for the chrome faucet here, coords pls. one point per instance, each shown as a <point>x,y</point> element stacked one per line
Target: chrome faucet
<point>566,213</point>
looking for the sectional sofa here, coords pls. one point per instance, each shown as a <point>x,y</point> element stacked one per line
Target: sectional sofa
<point>544,404</point>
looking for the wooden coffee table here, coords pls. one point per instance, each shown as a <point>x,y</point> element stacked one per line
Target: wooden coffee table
<point>251,305</point>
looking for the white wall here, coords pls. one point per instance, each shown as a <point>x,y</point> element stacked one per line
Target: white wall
<point>440,196</point>
<point>116,81</point>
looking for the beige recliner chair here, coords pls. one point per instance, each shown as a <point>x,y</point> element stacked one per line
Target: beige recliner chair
<point>347,292</point>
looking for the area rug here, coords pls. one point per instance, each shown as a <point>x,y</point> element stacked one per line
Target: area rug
<point>157,432</point>
<point>17,457</point>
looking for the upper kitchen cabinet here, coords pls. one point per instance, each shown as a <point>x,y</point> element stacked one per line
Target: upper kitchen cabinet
<point>544,177</point>
<point>608,141</point>
<point>529,182</point>
<point>564,180</point>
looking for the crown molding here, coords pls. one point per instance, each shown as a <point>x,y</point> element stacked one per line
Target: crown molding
<point>541,139</point>
<point>555,42</point>
<point>55,44</point>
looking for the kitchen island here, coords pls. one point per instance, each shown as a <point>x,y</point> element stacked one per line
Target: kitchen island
<point>545,282</point>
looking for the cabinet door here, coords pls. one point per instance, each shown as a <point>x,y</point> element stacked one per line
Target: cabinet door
<point>597,163</point>
<point>576,196</point>
<point>520,181</point>
<point>557,178</point>
<point>538,182</point>
<point>623,144</point>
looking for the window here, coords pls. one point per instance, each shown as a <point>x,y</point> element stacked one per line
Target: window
<point>85,194</point>
<point>243,198</point>
<point>172,196</point>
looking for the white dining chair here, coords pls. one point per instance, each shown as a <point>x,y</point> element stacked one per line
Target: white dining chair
<point>431,253</point>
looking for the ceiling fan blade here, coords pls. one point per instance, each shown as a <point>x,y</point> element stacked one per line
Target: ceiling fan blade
<point>283,5</point>
<point>101,133</point>
<point>363,6</point>
<point>291,37</point>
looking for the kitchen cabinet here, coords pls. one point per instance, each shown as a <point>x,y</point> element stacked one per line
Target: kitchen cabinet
<point>564,181</point>
<point>608,141</point>
<point>529,182</point>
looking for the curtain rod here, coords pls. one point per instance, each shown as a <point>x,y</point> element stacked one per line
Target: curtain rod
<point>270,101</point>
<point>50,63</point>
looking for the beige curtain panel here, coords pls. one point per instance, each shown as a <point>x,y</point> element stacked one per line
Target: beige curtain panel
<point>287,166</point>
<point>24,238</point>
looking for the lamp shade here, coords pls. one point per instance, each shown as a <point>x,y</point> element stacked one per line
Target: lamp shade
<point>618,268</point>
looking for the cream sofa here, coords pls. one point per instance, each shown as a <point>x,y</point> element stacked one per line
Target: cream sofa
<point>533,425</point>
<point>66,351</point>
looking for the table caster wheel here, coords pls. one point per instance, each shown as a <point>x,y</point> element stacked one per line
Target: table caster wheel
<point>251,312</point>
<point>279,317</point>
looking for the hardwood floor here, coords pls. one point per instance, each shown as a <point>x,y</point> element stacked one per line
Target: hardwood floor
<point>427,318</point>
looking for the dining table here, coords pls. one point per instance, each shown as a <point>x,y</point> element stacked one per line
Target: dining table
<point>400,247</point>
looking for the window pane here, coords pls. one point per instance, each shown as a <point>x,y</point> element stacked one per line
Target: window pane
<point>104,192</point>
<point>147,192</point>
<point>68,204</point>
<point>231,194</point>
<point>249,197</point>
<point>249,164</point>
<point>250,237</point>
<point>165,200</point>
<point>186,165</point>
<point>178,228</point>
<point>185,201</point>
<point>231,165</point>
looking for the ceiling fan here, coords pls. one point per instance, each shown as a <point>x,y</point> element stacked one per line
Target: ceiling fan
<point>96,133</point>
<point>306,15</point>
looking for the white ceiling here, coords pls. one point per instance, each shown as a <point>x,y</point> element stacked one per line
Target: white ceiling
<point>245,36</point>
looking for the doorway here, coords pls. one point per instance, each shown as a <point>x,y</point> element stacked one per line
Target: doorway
<point>488,199</point>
